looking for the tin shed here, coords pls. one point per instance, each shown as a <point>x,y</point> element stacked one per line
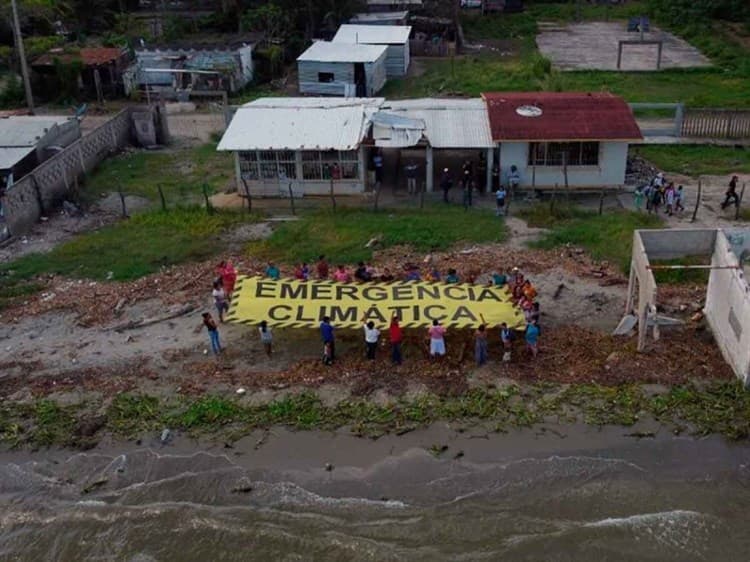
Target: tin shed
<point>394,37</point>
<point>342,69</point>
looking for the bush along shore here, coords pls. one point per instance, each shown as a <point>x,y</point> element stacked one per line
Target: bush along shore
<point>716,407</point>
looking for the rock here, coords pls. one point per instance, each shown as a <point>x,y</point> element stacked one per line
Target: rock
<point>165,436</point>
<point>90,426</point>
<point>612,357</point>
<point>241,391</point>
<point>329,467</point>
<point>697,317</point>
<point>243,486</point>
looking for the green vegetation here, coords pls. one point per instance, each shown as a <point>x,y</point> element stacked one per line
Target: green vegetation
<point>342,235</point>
<point>129,249</point>
<point>606,237</point>
<point>721,407</point>
<point>696,160</point>
<point>180,173</point>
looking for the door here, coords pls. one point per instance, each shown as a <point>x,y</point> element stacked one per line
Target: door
<point>360,79</point>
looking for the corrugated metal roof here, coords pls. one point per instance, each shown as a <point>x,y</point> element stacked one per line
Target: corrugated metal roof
<point>326,51</point>
<point>89,56</point>
<point>564,116</point>
<point>316,102</point>
<point>365,18</point>
<point>9,157</point>
<point>264,126</point>
<point>373,34</point>
<point>449,123</point>
<point>26,130</point>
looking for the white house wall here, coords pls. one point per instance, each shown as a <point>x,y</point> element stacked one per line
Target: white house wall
<point>609,173</point>
<point>246,65</point>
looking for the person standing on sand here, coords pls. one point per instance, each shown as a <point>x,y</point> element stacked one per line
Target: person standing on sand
<point>322,268</point>
<point>213,332</point>
<point>731,196</point>
<point>506,337</point>
<point>397,337</point>
<point>532,338</point>
<point>480,345</point>
<point>266,337</point>
<point>329,340</point>
<point>228,277</point>
<point>445,184</point>
<point>220,300</point>
<point>437,339</point>
<point>372,334</point>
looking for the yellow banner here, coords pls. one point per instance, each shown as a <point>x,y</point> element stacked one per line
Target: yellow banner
<point>299,304</point>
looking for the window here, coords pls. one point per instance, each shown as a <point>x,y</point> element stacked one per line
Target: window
<point>268,165</point>
<point>325,77</point>
<point>322,165</point>
<point>561,153</point>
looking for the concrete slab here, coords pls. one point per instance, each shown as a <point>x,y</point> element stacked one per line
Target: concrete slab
<point>593,46</point>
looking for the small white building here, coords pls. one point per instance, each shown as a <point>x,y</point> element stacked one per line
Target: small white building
<point>394,37</point>
<point>557,139</point>
<point>300,146</point>
<point>342,69</point>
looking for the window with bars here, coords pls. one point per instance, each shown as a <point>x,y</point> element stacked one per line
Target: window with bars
<point>564,153</point>
<point>330,164</point>
<point>268,165</point>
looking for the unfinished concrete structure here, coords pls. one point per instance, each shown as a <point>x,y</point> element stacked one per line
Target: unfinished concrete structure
<point>727,307</point>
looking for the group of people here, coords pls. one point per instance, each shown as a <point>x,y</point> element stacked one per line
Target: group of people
<point>223,287</point>
<point>660,192</point>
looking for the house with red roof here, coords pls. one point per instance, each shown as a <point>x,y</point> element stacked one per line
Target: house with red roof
<point>562,138</point>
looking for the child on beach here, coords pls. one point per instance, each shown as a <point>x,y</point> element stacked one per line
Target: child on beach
<point>437,339</point>
<point>213,332</point>
<point>266,338</point>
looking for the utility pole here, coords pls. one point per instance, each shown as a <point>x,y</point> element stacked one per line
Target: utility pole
<point>22,57</point>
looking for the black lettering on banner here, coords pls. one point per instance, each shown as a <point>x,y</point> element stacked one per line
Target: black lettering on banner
<point>274,313</point>
<point>348,290</point>
<point>463,312</point>
<point>300,315</point>
<point>472,295</point>
<point>431,291</point>
<point>339,314</point>
<point>374,293</point>
<point>373,312</point>
<point>488,295</point>
<point>428,312</point>
<point>403,292</point>
<point>320,292</point>
<point>415,312</point>
<point>450,293</point>
<point>399,310</point>
<point>289,291</point>
<point>265,290</point>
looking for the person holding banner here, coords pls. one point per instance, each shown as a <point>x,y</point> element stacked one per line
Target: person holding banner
<point>397,337</point>
<point>372,334</point>
<point>437,339</point>
<point>480,345</point>
<point>506,337</point>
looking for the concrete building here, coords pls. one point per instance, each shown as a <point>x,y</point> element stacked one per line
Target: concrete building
<point>173,69</point>
<point>394,37</point>
<point>727,306</point>
<point>380,18</point>
<point>27,141</point>
<point>342,69</point>
<point>578,140</point>
<point>302,146</point>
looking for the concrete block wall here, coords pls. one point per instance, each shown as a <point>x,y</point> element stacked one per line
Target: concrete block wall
<point>728,308</point>
<point>44,187</point>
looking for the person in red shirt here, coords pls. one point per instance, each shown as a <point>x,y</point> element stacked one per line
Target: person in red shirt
<point>228,277</point>
<point>322,267</point>
<point>397,337</point>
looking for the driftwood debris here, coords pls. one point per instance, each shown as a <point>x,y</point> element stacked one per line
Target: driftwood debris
<point>143,322</point>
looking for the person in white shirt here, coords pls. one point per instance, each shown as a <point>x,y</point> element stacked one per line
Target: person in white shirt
<point>372,334</point>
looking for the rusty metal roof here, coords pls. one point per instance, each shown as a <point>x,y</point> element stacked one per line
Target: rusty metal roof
<point>89,56</point>
<point>553,116</point>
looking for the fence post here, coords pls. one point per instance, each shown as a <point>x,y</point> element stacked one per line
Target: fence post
<point>291,199</point>
<point>333,198</point>
<point>162,198</point>
<point>122,202</point>
<point>421,196</point>
<point>247,193</point>
<point>209,208</point>
<point>697,202</point>
<point>601,202</point>
<point>552,201</point>
<point>739,202</point>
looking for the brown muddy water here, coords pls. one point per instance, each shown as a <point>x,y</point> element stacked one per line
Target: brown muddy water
<point>568,494</point>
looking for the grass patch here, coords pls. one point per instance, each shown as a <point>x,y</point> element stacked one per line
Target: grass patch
<point>342,236</point>
<point>719,407</point>
<point>180,173</point>
<point>605,237</point>
<point>697,160</point>
<point>131,248</point>
<point>683,276</point>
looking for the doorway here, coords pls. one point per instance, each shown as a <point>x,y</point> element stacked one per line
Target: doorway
<point>360,79</point>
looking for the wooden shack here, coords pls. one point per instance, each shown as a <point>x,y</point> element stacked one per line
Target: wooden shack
<point>342,69</point>
<point>394,37</point>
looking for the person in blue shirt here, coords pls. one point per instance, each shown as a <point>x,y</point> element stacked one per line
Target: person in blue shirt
<point>452,276</point>
<point>498,279</point>
<point>329,340</point>
<point>272,272</point>
<point>413,274</point>
<point>532,338</point>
